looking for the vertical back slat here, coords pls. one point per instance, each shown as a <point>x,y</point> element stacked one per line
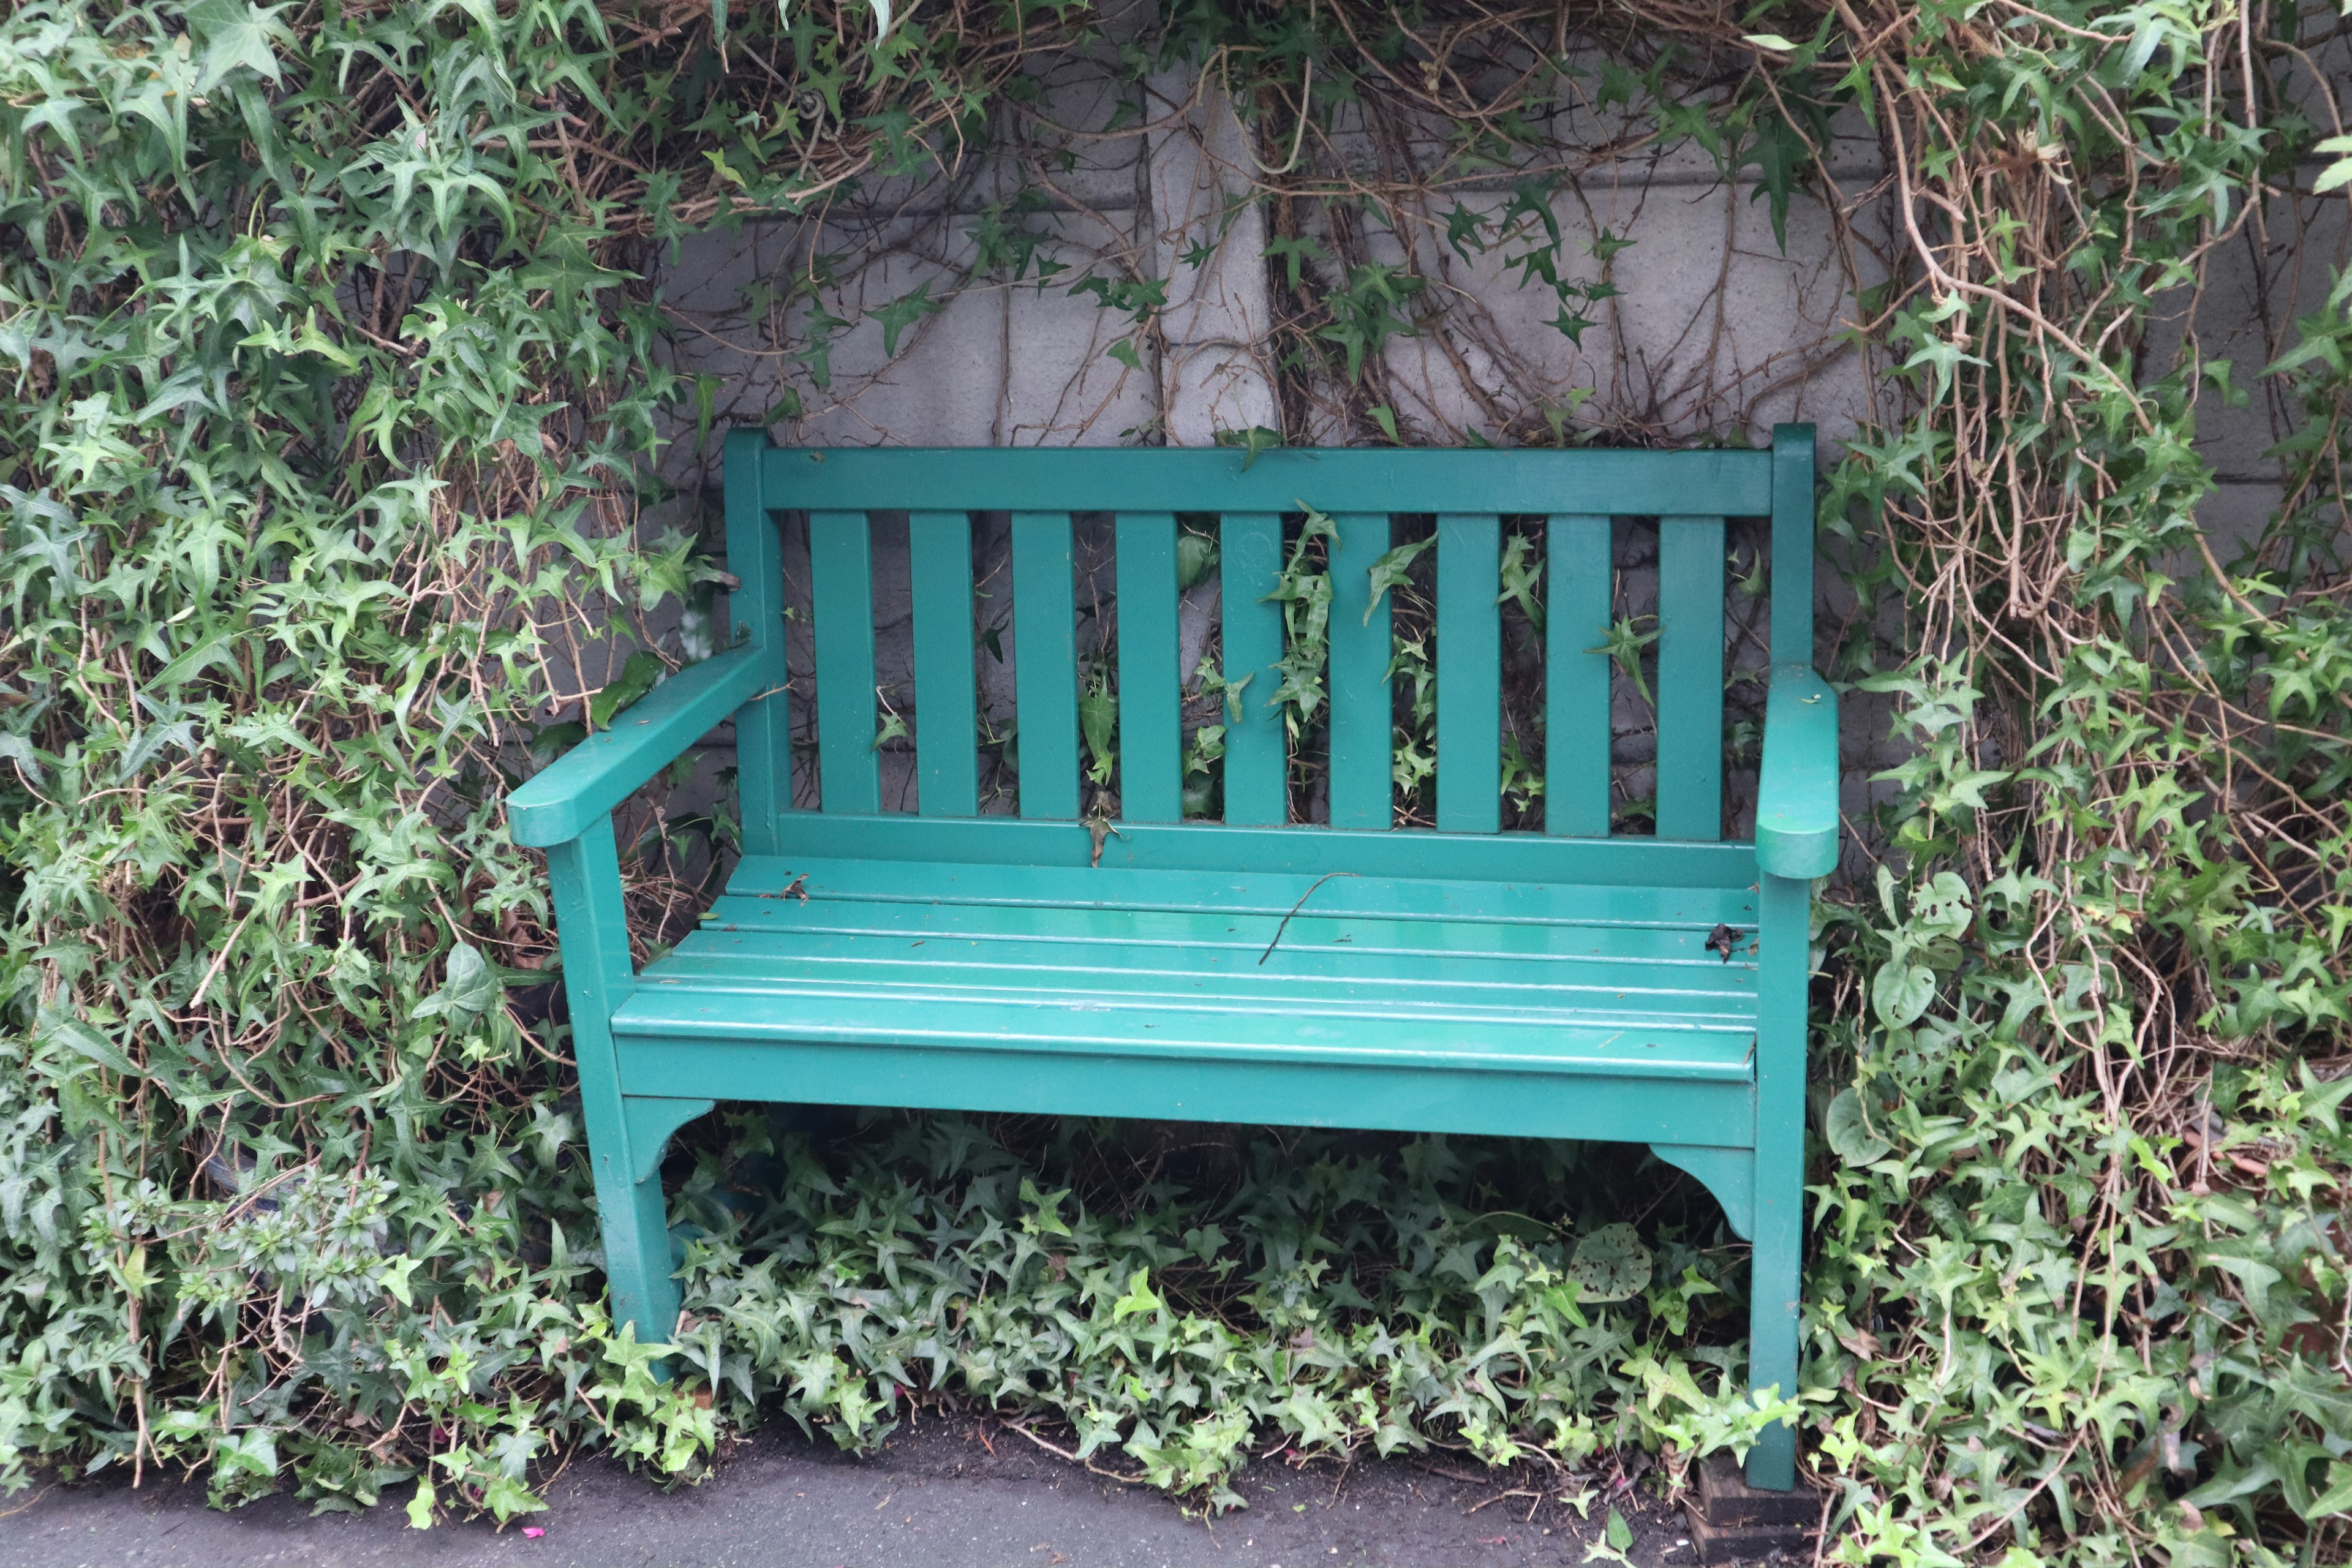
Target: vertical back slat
<point>1792,544</point>
<point>1469,674</point>
<point>840,600</point>
<point>1690,678</point>
<point>1046,663</point>
<point>1363,792</point>
<point>1150,727</point>
<point>947,765</point>
<point>755,609</point>
<point>1578,557</point>
<point>1256,755</point>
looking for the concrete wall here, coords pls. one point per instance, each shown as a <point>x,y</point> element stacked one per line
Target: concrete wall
<point>1718,331</point>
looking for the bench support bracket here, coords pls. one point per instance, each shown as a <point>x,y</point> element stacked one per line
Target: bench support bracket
<point>1728,1174</point>
<point>651,1121</point>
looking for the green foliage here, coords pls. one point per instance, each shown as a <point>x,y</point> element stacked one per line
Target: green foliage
<point>333,381</point>
<point>1344,1297</point>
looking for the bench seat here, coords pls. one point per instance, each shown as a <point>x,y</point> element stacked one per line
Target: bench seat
<point>1493,1008</point>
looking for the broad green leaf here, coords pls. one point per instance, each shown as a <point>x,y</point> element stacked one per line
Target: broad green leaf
<point>1849,1131</point>
<point>238,35</point>
<point>1610,1265</point>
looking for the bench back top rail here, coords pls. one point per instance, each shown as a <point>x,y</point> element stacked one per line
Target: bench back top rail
<point>1578,493</point>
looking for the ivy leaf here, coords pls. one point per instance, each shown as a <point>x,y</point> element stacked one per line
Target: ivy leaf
<point>1621,1534</point>
<point>2337,173</point>
<point>903,312</point>
<point>1097,717</point>
<point>1140,1298</point>
<point>1848,1131</point>
<point>1900,992</point>
<point>1196,557</point>
<point>1256,439</point>
<point>1610,1265</point>
<point>469,988</point>
<point>784,15</point>
<point>640,675</point>
<point>1521,581</point>
<point>1393,569</point>
<point>1461,226</point>
<point>237,34</point>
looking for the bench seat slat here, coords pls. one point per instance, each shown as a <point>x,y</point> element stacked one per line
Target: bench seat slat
<point>1313,976</point>
<point>841,589</point>
<point>775,1008</point>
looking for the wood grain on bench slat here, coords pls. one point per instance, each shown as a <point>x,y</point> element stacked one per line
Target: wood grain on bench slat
<point>1363,789</point>
<point>782,1010</point>
<point>841,593</point>
<point>1311,971</point>
<point>939,555</point>
<point>1045,664</point>
<point>1338,957</point>
<point>1690,678</point>
<point>1257,753</point>
<point>1469,674</point>
<point>1150,726</point>
<point>1578,557</point>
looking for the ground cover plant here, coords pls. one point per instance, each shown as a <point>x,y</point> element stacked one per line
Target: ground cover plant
<point>334,376</point>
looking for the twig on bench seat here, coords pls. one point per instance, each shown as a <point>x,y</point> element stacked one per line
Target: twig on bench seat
<point>1294,908</point>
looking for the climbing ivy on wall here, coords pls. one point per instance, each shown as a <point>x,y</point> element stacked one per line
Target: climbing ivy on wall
<point>336,380</point>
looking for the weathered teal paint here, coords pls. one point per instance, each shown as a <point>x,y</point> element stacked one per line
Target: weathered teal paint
<point>1046,663</point>
<point>1690,678</point>
<point>947,759</point>
<point>1579,559</point>
<point>1151,730</point>
<point>1363,792</point>
<point>1571,984</point>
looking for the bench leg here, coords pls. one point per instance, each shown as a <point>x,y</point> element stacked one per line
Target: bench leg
<point>626,1134</point>
<point>636,1244</point>
<point>1783,939</point>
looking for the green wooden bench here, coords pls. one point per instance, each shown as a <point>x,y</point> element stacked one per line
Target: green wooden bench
<point>1461,980</point>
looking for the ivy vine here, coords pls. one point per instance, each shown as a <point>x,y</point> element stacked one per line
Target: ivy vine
<point>337,380</point>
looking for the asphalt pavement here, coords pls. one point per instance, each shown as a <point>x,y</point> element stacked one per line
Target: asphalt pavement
<point>957,1490</point>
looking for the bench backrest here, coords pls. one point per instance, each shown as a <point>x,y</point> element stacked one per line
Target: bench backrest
<point>1469,492</point>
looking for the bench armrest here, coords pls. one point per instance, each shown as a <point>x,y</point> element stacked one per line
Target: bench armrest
<point>582,787</point>
<point>1797,789</point>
